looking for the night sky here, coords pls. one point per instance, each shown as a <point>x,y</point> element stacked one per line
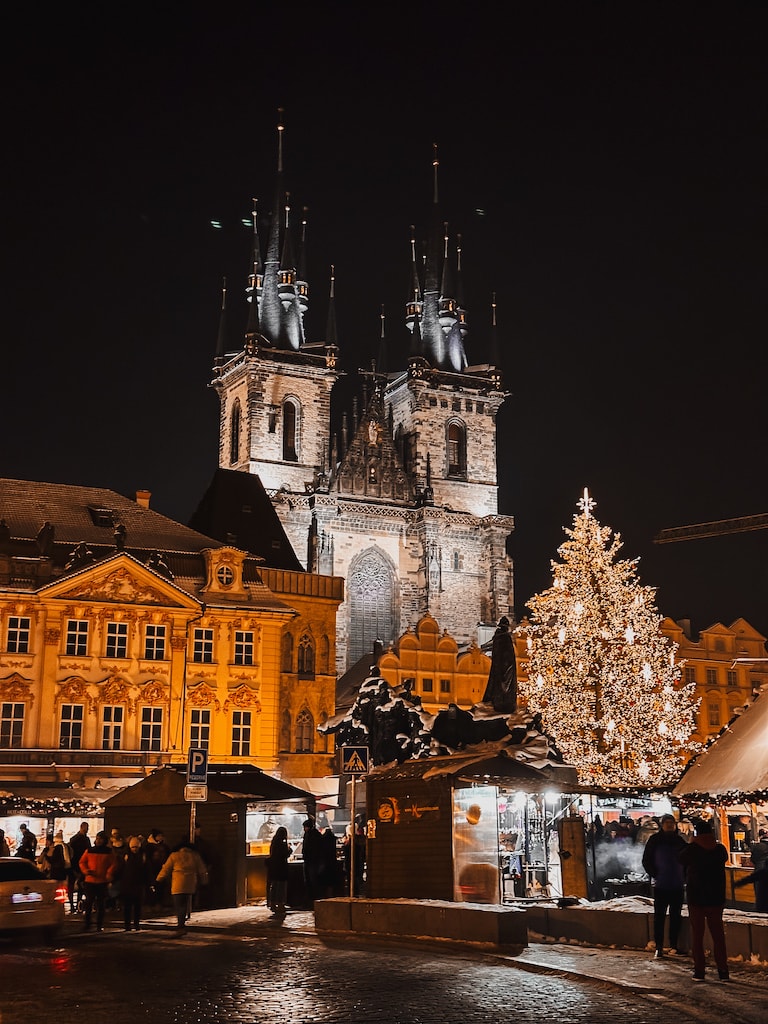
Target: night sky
<point>605,165</point>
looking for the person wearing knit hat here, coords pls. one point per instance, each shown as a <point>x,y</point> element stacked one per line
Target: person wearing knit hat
<point>660,860</point>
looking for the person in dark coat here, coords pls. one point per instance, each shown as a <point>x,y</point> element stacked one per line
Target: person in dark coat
<point>131,876</point>
<point>313,854</point>
<point>704,860</point>
<point>662,862</point>
<point>78,844</point>
<point>759,877</point>
<point>277,872</point>
<point>501,689</point>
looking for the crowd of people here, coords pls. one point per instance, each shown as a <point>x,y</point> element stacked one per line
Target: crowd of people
<point>133,875</point>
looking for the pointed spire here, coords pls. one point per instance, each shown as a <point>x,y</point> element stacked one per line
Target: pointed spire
<point>331,341</point>
<point>381,359</point>
<point>271,307</point>
<point>253,323</point>
<point>221,338</point>
<point>495,358</point>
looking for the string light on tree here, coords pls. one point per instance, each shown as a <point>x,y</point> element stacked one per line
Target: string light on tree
<point>600,672</point>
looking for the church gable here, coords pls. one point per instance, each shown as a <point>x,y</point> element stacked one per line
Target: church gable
<point>371,466</point>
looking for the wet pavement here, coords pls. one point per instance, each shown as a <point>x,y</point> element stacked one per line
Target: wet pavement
<point>243,965</point>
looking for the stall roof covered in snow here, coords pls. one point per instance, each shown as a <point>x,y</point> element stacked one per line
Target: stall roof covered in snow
<point>734,768</point>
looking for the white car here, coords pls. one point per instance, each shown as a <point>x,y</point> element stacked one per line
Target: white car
<point>28,900</point>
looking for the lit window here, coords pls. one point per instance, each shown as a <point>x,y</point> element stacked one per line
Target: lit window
<point>77,637</point>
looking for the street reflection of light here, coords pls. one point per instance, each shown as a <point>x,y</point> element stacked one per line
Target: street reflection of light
<point>61,963</point>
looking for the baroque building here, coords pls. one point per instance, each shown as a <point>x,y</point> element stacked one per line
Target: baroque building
<point>126,638</point>
<point>402,502</point>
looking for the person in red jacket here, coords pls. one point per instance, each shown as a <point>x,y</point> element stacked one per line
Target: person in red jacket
<point>98,868</point>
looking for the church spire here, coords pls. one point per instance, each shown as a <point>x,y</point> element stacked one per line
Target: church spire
<point>221,339</point>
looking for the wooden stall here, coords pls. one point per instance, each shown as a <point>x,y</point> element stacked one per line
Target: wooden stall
<point>433,824</point>
<point>729,780</point>
<point>235,794</point>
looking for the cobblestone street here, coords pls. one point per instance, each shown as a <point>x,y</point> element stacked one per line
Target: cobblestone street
<point>240,966</point>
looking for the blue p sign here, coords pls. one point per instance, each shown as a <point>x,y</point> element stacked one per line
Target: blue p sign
<point>197,766</point>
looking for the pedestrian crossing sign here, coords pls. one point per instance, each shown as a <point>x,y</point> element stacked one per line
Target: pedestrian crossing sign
<point>354,760</point>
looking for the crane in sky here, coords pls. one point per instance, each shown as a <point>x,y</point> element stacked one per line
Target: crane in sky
<point>742,524</point>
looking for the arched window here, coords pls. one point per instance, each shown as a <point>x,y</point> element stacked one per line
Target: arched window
<point>456,449</point>
<point>234,433</point>
<point>290,431</point>
<point>305,732</point>
<point>286,653</point>
<point>371,589</point>
<point>306,654</point>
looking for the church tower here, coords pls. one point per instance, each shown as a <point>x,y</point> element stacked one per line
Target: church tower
<point>404,504</point>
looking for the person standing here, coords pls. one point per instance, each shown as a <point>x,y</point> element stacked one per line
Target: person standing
<point>704,861</point>
<point>313,854</point>
<point>5,850</point>
<point>131,879</point>
<point>157,854</point>
<point>759,877</point>
<point>98,867</point>
<point>78,844</point>
<point>185,870</point>
<point>277,873</point>
<point>662,863</point>
<point>26,843</point>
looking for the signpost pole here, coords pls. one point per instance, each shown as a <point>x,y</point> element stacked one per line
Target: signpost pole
<point>352,845</point>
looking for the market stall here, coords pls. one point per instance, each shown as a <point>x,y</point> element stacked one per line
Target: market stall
<point>728,780</point>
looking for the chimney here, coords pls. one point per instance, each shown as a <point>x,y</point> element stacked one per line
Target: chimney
<point>142,498</point>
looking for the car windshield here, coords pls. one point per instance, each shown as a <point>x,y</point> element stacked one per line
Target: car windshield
<point>17,869</point>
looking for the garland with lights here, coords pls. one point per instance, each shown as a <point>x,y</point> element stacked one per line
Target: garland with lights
<point>600,672</point>
<point>13,803</point>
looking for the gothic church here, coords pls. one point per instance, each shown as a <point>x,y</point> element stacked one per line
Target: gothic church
<point>402,503</point>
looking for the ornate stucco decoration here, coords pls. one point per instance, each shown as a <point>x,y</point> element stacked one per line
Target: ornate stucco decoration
<point>74,690</point>
<point>243,697</point>
<point>16,688</point>
<point>202,696</point>
<point>120,586</point>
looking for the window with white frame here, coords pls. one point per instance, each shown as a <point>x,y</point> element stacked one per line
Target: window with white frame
<point>76,643</point>
<point>117,640</point>
<point>241,733</point>
<point>17,640</point>
<point>151,728</point>
<point>154,642</point>
<point>200,728</point>
<point>202,645</point>
<point>71,727</point>
<point>112,727</point>
<point>243,647</point>
<point>11,724</point>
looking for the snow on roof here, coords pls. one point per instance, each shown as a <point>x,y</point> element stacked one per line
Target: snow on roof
<point>735,766</point>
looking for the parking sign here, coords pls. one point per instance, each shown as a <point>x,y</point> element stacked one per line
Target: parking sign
<point>197,766</point>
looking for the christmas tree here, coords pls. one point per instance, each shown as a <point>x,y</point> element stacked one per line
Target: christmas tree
<point>600,672</point>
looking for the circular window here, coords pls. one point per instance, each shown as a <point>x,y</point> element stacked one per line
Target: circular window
<point>225,576</point>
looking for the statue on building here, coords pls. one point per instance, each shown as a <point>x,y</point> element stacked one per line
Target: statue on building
<point>501,689</point>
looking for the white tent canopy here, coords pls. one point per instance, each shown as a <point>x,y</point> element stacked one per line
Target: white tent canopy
<point>735,766</point>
